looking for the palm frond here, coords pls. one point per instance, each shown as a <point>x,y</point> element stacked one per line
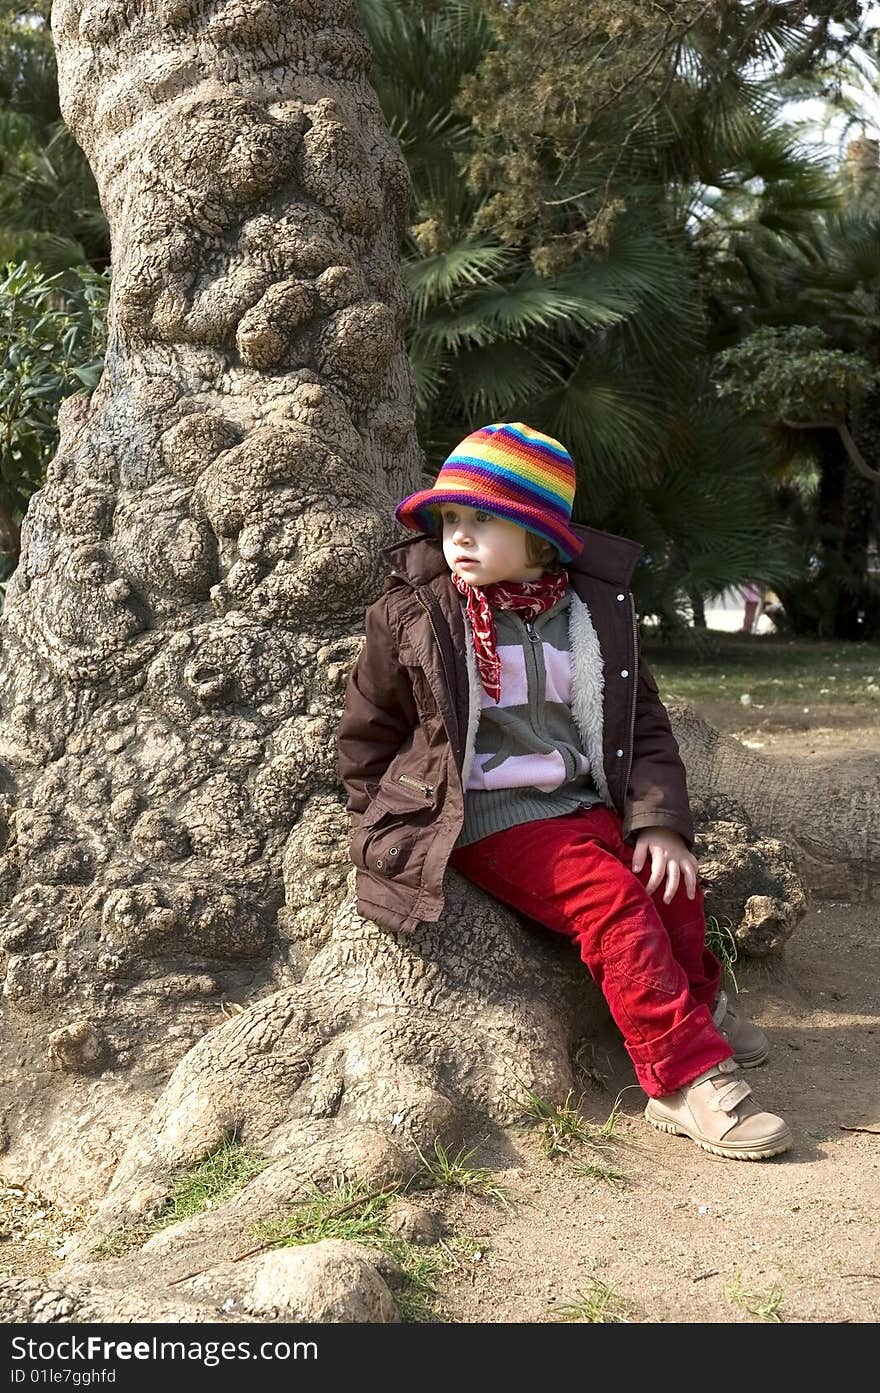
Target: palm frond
<point>47,249</point>
<point>429,365</point>
<point>17,134</point>
<point>494,312</point>
<point>430,279</point>
<point>502,379</point>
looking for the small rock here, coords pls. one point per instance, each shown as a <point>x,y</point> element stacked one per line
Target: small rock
<point>413,1222</point>
<point>325,1282</point>
<point>77,1048</point>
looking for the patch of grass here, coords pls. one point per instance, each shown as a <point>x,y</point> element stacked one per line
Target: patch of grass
<point>122,1240</point>
<point>598,1305</point>
<point>454,1173</point>
<point>585,1062</point>
<point>560,1126</point>
<point>416,1300</point>
<point>353,1211</point>
<point>771,668</point>
<point>211,1182</point>
<point>606,1171</point>
<point>763,1304</point>
<point>721,940</point>
<point>204,1186</point>
<point>345,1210</point>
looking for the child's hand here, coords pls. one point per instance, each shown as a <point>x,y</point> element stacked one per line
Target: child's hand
<point>670,859</point>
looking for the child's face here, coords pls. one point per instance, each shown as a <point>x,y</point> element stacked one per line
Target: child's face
<point>483,549</point>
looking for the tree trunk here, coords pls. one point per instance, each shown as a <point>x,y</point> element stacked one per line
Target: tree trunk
<point>857,613</point>
<point>828,584</point>
<point>862,513</point>
<point>178,634</point>
<point>698,610</point>
<point>173,656</point>
<point>839,601</point>
<point>828,813</point>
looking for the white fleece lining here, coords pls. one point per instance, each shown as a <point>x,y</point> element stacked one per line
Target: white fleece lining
<point>587,690</point>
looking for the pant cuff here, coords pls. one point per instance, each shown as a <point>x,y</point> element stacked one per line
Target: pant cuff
<point>677,1058</point>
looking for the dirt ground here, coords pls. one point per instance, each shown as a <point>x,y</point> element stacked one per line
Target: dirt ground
<point>684,1230</point>
<point>684,1236</point>
<point>788,730</point>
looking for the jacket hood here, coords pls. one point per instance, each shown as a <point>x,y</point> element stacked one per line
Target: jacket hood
<point>605,557</point>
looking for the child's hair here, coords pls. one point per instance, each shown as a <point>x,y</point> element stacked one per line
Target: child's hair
<point>541,553</point>
<point>538,551</point>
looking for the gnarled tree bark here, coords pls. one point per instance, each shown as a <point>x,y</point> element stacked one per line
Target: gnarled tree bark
<point>828,814</point>
<point>177,637</point>
<point>173,655</point>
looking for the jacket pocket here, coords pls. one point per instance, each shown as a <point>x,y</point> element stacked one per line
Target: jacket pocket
<point>405,794</point>
<point>396,829</point>
<point>384,849</point>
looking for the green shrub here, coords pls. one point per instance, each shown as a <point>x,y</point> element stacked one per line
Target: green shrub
<point>53,331</point>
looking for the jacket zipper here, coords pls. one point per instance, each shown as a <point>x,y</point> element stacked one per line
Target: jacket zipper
<point>541,686</point>
<point>635,689</point>
<point>450,685</point>
<point>426,789</point>
<point>536,668</point>
<point>427,608</point>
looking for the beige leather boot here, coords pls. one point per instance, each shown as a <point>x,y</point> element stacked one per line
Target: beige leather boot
<point>716,1111</point>
<point>749,1044</point>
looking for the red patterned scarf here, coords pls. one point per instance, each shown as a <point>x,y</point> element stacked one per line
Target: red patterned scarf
<point>527,597</point>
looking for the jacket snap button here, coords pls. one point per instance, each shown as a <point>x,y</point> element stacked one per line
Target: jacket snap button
<point>620,754</point>
<point>393,851</point>
<point>624,672</point>
<point>621,597</point>
<point>379,864</point>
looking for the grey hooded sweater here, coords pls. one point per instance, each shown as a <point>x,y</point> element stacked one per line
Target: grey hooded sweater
<point>528,758</point>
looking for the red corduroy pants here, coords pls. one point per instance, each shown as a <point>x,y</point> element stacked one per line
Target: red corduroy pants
<point>573,874</point>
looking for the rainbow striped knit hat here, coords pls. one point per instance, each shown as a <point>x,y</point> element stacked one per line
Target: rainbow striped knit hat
<point>510,470</point>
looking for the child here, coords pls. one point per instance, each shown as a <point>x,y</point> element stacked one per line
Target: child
<point>499,720</point>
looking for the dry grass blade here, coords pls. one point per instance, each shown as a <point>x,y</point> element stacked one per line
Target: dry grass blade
<point>453,1171</point>
<point>598,1305</point>
<point>763,1304</point>
<point>561,1127</point>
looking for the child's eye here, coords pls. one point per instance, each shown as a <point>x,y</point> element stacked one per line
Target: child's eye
<point>484,517</point>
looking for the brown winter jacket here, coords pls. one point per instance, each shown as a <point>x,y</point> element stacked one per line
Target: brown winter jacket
<point>406,738</point>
